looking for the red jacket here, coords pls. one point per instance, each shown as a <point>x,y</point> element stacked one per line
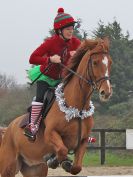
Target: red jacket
<point>53,45</point>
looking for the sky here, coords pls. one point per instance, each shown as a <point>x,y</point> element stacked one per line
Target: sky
<point>25,23</point>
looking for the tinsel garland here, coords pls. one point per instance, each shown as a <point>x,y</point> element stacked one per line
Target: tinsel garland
<point>71,112</point>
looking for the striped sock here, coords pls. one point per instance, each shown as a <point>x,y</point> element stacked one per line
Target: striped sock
<point>36,109</point>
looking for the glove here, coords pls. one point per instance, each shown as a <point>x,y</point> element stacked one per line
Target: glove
<point>72,53</point>
<point>55,59</point>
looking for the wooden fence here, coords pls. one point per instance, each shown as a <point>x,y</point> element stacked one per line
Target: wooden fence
<point>102,142</point>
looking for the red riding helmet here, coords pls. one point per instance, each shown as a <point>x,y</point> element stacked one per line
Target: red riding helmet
<point>63,20</point>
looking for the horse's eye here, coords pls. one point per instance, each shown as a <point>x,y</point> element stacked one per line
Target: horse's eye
<point>95,63</point>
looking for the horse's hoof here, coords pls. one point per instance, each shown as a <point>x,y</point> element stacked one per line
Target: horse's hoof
<point>75,170</point>
<point>53,163</point>
<point>66,165</point>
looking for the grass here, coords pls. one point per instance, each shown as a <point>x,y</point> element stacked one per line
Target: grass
<point>111,159</point>
<point>92,158</point>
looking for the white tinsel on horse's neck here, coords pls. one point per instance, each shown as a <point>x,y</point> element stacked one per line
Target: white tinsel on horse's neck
<point>71,112</point>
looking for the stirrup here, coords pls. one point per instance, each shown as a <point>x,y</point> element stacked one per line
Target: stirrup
<point>29,134</point>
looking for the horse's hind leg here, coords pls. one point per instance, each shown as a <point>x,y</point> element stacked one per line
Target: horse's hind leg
<point>8,164</point>
<point>34,171</point>
<point>8,157</point>
<point>8,167</point>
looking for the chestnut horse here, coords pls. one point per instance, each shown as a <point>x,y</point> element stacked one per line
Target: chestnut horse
<point>88,70</point>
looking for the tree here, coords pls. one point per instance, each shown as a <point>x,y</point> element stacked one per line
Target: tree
<point>7,81</point>
<point>112,30</point>
<point>121,51</point>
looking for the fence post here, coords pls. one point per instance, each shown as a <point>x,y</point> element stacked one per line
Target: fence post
<point>102,141</point>
<point>102,146</point>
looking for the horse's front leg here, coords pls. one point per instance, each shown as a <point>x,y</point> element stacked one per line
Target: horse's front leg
<point>59,147</point>
<point>77,164</point>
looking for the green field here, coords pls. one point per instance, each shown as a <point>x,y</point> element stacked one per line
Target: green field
<point>111,159</point>
<point>92,158</point>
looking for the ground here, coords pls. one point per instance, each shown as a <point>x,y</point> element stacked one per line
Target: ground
<point>93,171</point>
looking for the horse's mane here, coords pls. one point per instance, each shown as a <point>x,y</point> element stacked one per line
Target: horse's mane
<point>80,52</point>
<point>2,131</point>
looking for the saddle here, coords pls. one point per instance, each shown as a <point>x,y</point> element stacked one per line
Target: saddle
<point>48,101</point>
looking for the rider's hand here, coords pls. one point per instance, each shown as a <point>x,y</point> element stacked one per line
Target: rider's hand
<point>55,59</point>
<point>72,53</point>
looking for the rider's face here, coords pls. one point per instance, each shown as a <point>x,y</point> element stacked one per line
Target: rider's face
<point>68,32</point>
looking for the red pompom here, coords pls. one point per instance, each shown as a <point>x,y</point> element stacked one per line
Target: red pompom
<point>61,10</point>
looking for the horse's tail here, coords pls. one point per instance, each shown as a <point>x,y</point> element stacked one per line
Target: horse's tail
<point>2,131</point>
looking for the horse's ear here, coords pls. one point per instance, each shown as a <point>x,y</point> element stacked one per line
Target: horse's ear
<point>107,41</point>
<point>90,43</point>
<point>84,44</point>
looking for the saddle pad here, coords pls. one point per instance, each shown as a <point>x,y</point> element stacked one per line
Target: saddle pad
<point>25,121</point>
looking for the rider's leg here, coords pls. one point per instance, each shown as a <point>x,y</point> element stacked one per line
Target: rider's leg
<point>35,114</point>
<point>36,109</point>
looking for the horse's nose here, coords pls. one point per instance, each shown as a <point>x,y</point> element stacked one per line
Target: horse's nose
<point>105,94</point>
<point>102,93</point>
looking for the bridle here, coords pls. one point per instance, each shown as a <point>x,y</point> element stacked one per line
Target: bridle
<point>91,80</point>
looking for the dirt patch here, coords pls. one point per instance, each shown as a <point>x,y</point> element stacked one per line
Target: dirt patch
<point>87,171</point>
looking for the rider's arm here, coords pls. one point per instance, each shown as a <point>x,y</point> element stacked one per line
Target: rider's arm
<point>40,55</point>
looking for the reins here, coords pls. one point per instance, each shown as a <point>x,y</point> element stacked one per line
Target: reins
<point>90,81</point>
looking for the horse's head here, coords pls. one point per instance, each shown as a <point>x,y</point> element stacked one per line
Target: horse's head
<point>98,67</point>
<point>92,64</point>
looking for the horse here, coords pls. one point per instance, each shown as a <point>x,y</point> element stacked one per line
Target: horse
<point>88,70</point>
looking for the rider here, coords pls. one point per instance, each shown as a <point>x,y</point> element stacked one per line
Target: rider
<point>54,50</point>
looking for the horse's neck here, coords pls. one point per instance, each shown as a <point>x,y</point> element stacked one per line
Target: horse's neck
<point>76,91</point>
<point>76,94</point>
